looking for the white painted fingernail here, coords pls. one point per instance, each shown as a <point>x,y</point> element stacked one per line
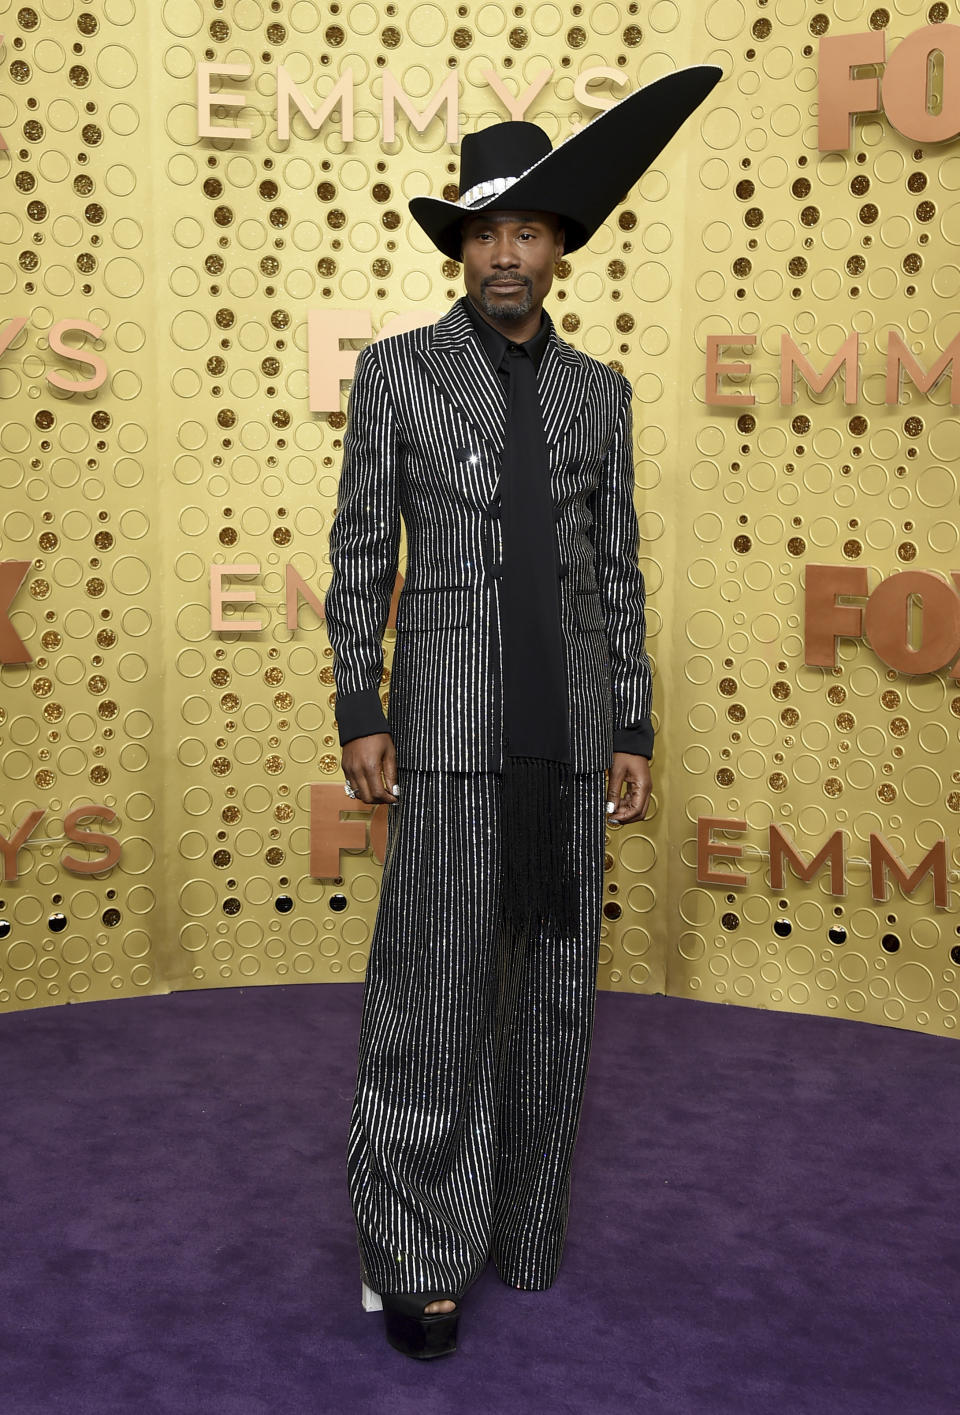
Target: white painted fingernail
<point>395,790</point>
<point>610,807</point>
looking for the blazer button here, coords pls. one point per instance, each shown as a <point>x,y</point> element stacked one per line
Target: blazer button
<point>562,571</point>
<point>494,507</point>
<point>496,572</point>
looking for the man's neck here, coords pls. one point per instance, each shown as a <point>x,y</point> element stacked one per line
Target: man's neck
<point>517,330</point>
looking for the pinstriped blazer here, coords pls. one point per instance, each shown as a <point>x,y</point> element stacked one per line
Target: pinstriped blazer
<point>424,441</point>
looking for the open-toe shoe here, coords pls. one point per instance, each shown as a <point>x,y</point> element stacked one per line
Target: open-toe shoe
<point>418,1333</point>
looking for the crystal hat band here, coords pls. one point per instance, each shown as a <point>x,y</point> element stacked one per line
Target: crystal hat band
<point>582,179</point>
<point>492,188</point>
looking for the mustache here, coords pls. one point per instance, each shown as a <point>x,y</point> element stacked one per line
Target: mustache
<point>506,280</point>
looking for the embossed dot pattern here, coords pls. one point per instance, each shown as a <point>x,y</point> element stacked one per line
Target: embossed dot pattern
<point>199,260</point>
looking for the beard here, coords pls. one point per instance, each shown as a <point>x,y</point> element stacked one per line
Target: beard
<point>504,307</point>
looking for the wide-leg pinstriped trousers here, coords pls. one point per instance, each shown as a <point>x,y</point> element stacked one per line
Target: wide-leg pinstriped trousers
<point>474,1047</point>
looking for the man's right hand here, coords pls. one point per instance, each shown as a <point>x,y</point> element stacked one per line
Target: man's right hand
<point>370,767</point>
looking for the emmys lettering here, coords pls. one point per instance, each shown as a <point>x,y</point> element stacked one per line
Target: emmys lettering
<point>900,362</point>
<point>883,862</point>
<point>55,338</point>
<point>13,649</point>
<point>392,96</point>
<point>11,846</point>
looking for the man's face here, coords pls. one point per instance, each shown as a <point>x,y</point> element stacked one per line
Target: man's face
<point>508,259</point>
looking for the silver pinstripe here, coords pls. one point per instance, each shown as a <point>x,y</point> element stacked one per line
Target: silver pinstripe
<point>474,1048</point>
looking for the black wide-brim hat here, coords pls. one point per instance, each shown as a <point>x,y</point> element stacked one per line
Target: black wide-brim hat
<point>512,167</point>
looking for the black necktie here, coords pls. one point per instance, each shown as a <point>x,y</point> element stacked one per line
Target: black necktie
<point>539,872</point>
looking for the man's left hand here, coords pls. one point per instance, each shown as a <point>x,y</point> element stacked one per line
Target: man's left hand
<point>634,773</point>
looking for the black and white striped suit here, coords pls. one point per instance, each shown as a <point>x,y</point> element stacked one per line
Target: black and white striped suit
<point>474,1044</point>
<point>424,441</point>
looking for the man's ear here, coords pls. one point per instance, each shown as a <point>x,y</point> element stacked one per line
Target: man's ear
<point>561,235</point>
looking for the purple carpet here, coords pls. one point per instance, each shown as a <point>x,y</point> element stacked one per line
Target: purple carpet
<point>764,1219</point>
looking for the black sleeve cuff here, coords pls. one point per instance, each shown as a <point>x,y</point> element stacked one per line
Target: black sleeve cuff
<point>359,715</point>
<point>637,739</point>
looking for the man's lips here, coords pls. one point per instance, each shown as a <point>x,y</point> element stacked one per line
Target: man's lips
<point>506,285</point>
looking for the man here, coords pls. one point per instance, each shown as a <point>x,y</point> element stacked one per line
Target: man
<point>518,719</point>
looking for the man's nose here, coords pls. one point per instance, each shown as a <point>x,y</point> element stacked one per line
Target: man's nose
<point>504,253</point>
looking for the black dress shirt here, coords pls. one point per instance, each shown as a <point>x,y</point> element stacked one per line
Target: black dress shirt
<point>636,738</point>
<point>496,344</point>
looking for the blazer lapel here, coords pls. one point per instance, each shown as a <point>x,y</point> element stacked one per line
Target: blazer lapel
<point>463,373</point>
<point>563,380</point>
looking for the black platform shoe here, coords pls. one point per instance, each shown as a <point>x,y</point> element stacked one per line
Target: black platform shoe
<point>418,1333</point>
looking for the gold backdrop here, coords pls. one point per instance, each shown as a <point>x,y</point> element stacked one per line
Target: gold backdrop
<point>211,756</point>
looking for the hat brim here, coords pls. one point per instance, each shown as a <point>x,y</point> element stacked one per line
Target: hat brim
<point>587,175</point>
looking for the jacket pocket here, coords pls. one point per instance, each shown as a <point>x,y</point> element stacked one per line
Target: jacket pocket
<point>588,611</point>
<point>421,610</point>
